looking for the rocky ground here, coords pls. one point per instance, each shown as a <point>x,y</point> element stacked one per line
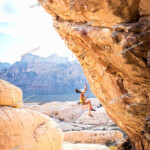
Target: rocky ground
<point>80,130</point>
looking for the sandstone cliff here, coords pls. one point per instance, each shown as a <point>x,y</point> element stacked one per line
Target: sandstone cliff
<point>111,41</point>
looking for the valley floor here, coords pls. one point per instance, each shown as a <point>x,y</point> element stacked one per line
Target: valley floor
<point>80,130</point>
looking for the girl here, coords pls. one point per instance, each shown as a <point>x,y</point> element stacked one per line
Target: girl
<point>83,99</point>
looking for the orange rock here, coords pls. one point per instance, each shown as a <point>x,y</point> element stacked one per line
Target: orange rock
<point>26,129</point>
<point>86,27</point>
<point>97,13</point>
<point>144,7</point>
<point>10,95</point>
<point>97,137</point>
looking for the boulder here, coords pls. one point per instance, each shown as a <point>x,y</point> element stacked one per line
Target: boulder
<point>71,117</point>
<point>70,146</point>
<point>27,129</point>
<point>98,137</point>
<point>100,118</point>
<point>10,95</point>
<point>65,111</point>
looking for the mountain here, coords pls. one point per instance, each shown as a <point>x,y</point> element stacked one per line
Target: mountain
<point>57,59</point>
<point>53,75</point>
<point>4,65</point>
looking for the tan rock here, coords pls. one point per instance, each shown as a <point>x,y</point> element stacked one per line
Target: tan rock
<point>70,146</point>
<point>100,118</point>
<point>144,7</point>
<point>10,95</point>
<point>98,137</point>
<point>123,73</point>
<point>114,59</point>
<point>27,129</point>
<point>66,111</point>
<point>71,117</point>
<point>97,13</point>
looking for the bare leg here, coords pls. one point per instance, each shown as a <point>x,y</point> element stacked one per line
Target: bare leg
<point>89,106</point>
<point>88,102</point>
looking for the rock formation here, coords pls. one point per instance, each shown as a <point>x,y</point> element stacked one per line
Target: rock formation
<point>70,146</point>
<point>25,129</point>
<point>97,137</point>
<point>72,117</point>
<point>111,40</point>
<point>10,95</point>
<point>28,129</point>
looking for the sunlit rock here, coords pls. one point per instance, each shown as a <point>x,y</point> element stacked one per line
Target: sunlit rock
<point>114,58</point>
<point>27,129</point>
<point>10,95</point>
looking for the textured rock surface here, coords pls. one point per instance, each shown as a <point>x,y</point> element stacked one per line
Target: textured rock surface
<point>71,117</point>
<point>60,109</point>
<point>69,146</point>
<point>98,13</point>
<point>28,130</point>
<point>10,95</point>
<point>100,118</point>
<point>98,46</point>
<point>144,7</point>
<point>100,137</point>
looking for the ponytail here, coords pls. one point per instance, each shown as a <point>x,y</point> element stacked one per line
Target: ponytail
<point>77,91</point>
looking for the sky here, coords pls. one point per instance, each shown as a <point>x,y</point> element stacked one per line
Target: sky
<point>24,26</point>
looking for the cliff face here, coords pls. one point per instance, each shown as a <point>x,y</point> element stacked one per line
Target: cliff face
<point>111,40</point>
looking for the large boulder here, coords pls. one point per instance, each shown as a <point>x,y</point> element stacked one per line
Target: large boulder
<point>99,137</point>
<point>10,95</point>
<point>27,129</point>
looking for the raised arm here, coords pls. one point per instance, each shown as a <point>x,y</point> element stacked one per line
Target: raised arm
<point>85,87</point>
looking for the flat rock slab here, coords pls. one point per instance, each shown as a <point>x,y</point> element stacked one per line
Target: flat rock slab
<point>69,146</point>
<point>100,118</point>
<point>66,111</point>
<point>99,137</point>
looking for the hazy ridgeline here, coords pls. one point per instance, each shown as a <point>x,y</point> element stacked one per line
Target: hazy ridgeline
<point>45,79</point>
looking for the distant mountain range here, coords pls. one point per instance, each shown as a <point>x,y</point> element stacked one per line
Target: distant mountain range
<point>4,65</point>
<point>36,75</point>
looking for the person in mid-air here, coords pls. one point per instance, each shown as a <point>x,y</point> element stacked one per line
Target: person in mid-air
<point>85,104</point>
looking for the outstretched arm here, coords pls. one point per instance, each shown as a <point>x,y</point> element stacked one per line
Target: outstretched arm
<point>85,87</point>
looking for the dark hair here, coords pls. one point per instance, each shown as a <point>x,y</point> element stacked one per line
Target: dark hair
<point>77,91</point>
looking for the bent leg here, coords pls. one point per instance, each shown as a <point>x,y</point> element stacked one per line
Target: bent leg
<point>86,105</point>
<point>88,102</point>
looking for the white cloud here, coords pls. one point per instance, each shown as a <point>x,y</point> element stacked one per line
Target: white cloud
<point>34,27</point>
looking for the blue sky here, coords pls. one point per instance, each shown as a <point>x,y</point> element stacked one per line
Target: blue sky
<point>23,28</point>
